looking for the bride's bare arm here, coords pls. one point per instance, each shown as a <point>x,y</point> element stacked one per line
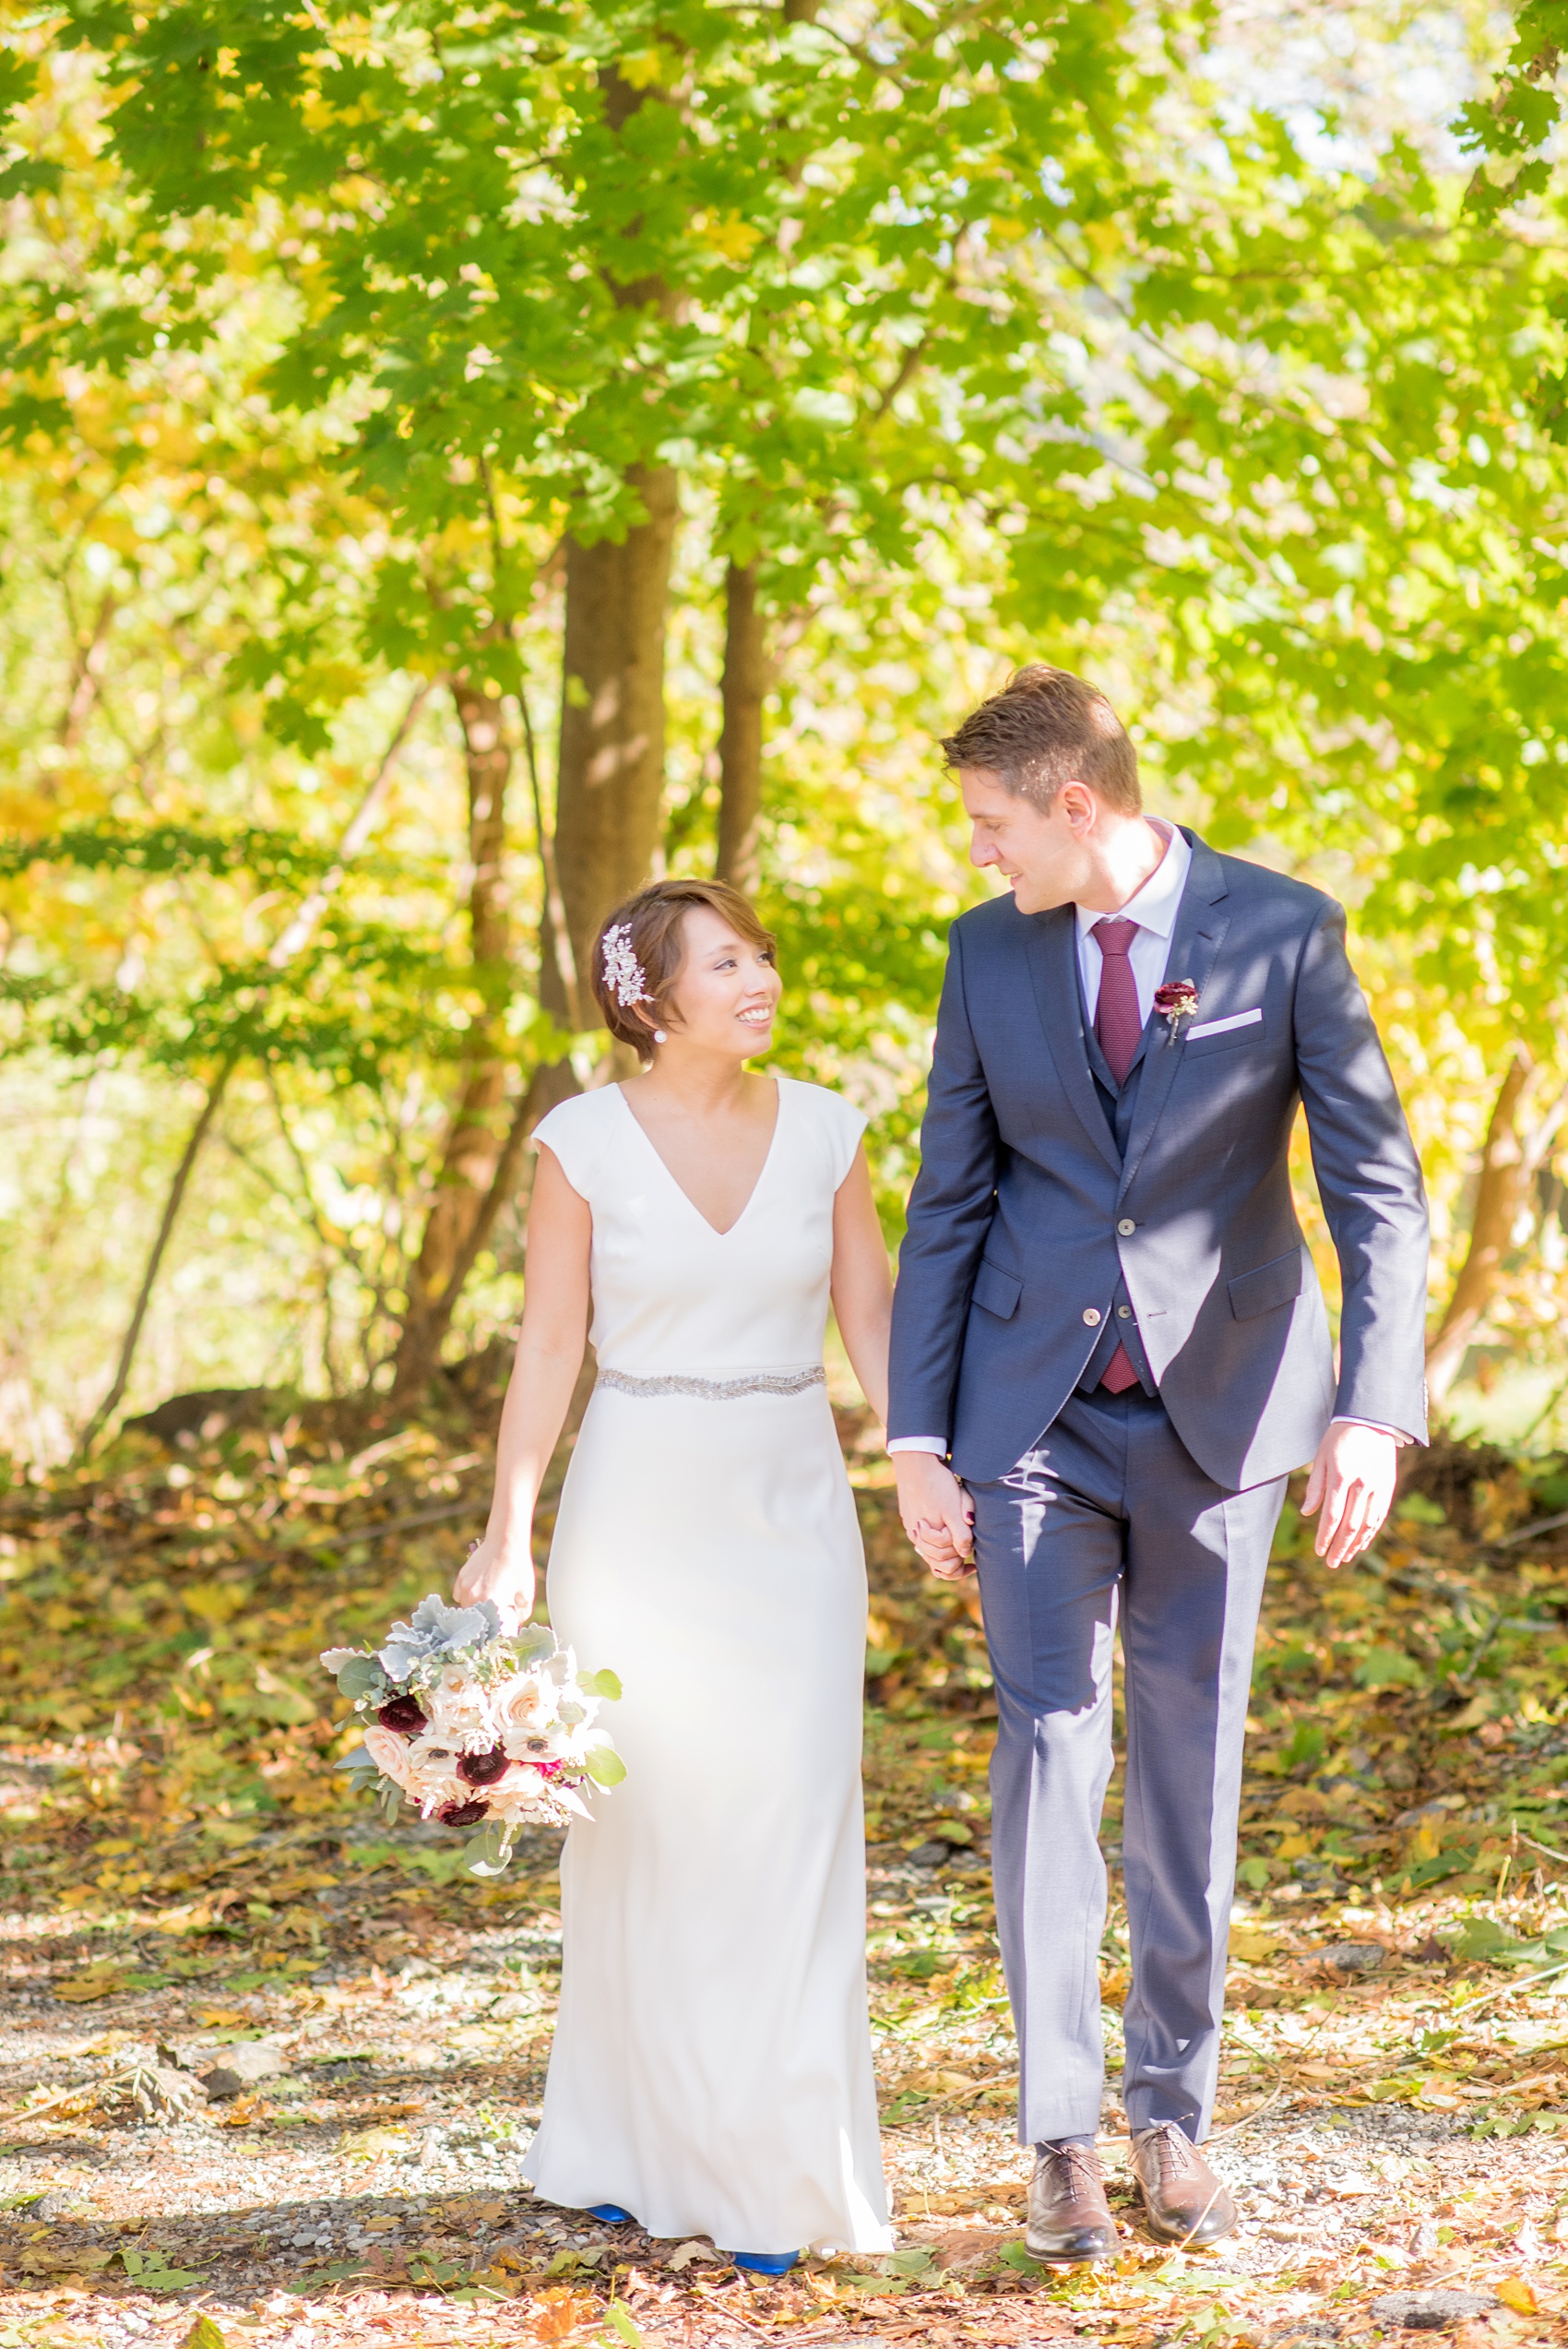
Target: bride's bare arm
<point>550,1355</point>
<point>863,1285</point>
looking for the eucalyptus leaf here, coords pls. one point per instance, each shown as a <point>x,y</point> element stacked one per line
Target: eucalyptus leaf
<point>362,1676</point>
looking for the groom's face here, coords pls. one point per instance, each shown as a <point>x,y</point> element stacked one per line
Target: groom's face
<point>1044,856</point>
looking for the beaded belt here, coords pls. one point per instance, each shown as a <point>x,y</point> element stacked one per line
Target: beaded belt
<point>718,1390</point>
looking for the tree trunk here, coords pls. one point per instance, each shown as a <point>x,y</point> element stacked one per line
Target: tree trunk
<point>611,768</point>
<point>1503,1172</point>
<point>739,743</point>
<point>171,1216</point>
<point>476,1135</point>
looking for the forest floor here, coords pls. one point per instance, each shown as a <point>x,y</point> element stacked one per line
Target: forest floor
<point>187,1886</point>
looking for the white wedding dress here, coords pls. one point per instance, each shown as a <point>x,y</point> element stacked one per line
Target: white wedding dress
<point>711,2070</point>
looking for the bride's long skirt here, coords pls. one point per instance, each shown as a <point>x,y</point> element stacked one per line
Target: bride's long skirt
<point>711,2070</point>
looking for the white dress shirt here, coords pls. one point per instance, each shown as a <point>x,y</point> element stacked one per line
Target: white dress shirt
<point>1154,908</point>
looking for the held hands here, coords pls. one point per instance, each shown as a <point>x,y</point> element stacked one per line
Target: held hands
<point>505,1576</point>
<point>1352,1480</point>
<point>937,1514</point>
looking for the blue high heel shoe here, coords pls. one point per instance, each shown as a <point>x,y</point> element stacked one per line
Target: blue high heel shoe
<point>766,2262</point>
<point>611,2212</point>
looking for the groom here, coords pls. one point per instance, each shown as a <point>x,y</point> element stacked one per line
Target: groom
<point>1109,1350</point>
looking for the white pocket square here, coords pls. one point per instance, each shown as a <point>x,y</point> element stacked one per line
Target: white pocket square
<point>1222,1027</point>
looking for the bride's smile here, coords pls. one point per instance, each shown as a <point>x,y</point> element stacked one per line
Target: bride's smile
<point>725,994</point>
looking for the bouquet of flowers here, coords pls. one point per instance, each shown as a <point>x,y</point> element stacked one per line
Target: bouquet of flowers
<point>478,1725</point>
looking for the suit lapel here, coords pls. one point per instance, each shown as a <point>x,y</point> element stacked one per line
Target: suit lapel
<point>1053,968</point>
<point>1200,924</point>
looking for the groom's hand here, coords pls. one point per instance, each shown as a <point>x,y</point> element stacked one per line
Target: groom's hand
<point>1352,1480</point>
<point>937,1514</point>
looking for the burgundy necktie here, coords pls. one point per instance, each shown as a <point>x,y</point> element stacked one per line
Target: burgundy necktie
<point>1118,1026</point>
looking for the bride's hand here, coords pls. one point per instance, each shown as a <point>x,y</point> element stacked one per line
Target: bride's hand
<point>503,1574</point>
<point>938,1514</point>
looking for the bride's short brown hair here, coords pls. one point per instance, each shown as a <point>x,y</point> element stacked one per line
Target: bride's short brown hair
<point>651,924</point>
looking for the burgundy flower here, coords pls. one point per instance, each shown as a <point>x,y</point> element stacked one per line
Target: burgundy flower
<point>402,1713</point>
<point>1178,996</point>
<point>1177,1000</point>
<point>483,1770</point>
<point>463,1813</point>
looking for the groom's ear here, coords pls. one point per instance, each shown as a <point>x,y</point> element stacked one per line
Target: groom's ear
<point>1080,806</point>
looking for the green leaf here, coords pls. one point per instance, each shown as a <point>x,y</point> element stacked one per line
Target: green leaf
<point>603,1683</point>
<point>914,2261</point>
<point>152,2272</point>
<point>1482,1938</point>
<point>362,1676</point>
<point>487,1853</point>
<point>30,178</point>
<point>605,1765</point>
<point>1383,1667</point>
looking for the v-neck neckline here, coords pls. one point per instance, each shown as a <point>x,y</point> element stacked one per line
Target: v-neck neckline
<point>679,1189</point>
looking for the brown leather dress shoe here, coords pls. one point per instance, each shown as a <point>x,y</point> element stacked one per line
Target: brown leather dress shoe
<point>1069,2216</point>
<point>1185,2202</point>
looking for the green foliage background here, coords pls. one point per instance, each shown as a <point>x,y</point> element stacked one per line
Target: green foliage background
<point>1221,359</point>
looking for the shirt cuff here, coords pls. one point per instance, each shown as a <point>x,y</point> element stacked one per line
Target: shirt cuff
<point>1344,1419</point>
<point>937,1444</point>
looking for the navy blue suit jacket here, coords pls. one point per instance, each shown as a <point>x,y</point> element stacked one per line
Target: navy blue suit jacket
<point>1026,1216</point>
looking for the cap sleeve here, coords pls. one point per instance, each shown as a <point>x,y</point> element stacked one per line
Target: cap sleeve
<point>845,1126</point>
<point>577,1132</point>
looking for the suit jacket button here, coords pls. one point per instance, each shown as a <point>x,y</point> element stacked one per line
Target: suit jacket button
<point>1091,1315</point>
<point>1123,1313</point>
<point>1126,1227</point>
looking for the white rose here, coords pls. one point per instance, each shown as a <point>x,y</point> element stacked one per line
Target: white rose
<point>390,1753</point>
<point>521,1708</point>
<point>460,1712</point>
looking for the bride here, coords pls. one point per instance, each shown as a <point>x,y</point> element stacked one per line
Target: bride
<point>711,2070</point>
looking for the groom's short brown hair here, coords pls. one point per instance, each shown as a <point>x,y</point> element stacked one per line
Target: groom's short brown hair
<point>1046,728</point>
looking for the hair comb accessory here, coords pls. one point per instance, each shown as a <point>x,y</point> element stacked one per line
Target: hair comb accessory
<point>624,974</point>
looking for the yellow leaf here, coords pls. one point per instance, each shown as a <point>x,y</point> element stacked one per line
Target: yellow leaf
<point>368,2142</point>
<point>243,2111</point>
<point>1293,1847</point>
<point>735,238</point>
<point>1514,2293</point>
<point>938,2083</point>
<point>92,1983</point>
<point>649,68</point>
<point>1253,1944</point>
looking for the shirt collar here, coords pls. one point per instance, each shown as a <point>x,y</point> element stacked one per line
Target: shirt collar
<point>1156,905</point>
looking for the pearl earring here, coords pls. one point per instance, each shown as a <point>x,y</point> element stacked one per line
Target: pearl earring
<point>660,1037</point>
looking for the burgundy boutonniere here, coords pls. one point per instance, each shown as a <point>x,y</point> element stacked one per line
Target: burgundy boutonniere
<point>1177,1000</point>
